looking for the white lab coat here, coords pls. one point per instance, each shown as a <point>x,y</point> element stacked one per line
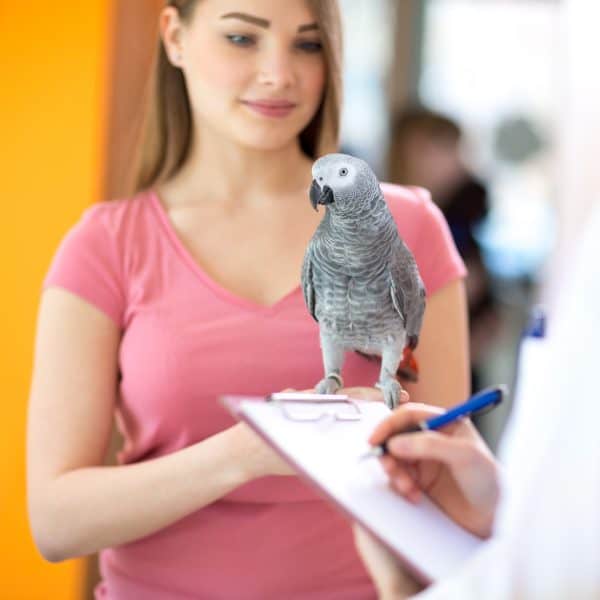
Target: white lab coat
<point>546,544</point>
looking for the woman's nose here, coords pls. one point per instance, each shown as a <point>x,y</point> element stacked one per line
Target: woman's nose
<point>276,69</point>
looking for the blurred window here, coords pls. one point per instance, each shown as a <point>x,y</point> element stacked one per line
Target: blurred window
<point>492,66</point>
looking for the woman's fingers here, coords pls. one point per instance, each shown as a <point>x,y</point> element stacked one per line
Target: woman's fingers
<point>404,397</point>
<point>357,393</point>
<point>363,393</point>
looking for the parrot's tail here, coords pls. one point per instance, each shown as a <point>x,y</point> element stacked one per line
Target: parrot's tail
<point>409,367</point>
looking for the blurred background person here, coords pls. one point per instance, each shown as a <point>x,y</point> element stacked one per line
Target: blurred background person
<point>425,151</point>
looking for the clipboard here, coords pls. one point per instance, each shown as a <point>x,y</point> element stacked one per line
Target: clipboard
<point>322,437</point>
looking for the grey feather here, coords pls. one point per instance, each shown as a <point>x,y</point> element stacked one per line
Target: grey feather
<point>307,287</point>
<point>360,280</point>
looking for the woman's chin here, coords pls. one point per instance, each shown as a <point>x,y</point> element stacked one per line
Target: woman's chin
<point>266,134</point>
<point>266,142</point>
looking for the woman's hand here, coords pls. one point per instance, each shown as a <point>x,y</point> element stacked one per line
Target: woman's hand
<point>260,460</point>
<point>369,393</point>
<point>256,457</point>
<point>453,466</point>
<point>357,393</point>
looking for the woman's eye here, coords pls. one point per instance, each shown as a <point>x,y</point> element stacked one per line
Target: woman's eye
<point>310,47</point>
<point>240,40</point>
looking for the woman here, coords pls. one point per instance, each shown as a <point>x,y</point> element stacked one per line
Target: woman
<point>188,290</point>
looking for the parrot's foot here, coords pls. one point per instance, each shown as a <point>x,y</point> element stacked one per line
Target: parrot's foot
<point>391,389</point>
<point>330,385</point>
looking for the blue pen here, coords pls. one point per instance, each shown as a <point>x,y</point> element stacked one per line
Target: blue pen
<point>481,402</point>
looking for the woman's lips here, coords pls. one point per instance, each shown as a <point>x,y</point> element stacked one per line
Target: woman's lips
<point>272,108</point>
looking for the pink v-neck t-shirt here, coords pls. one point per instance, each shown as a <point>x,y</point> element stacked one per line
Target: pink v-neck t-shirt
<point>186,341</point>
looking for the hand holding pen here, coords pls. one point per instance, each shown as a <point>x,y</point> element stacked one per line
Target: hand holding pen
<point>478,404</point>
<point>443,458</point>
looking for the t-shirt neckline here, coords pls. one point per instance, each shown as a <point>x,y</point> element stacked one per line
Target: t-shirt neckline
<point>197,269</point>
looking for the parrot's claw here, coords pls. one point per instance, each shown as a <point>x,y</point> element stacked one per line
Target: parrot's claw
<point>330,384</point>
<point>391,389</point>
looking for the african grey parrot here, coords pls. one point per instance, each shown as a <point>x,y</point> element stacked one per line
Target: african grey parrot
<point>360,281</point>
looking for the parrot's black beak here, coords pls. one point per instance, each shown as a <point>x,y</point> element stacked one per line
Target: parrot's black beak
<point>320,196</point>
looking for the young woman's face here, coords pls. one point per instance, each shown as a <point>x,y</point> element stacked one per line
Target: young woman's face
<point>255,69</point>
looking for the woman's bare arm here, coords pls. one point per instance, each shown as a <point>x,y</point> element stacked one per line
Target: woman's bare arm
<point>443,351</point>
<point>76,505</point>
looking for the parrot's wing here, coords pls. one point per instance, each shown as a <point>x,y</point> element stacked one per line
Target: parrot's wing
<point>407,291</point>
<point>307,282</point>
<point>398,299</point>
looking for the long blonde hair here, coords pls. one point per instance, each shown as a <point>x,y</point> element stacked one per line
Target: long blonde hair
<point>164,140</point>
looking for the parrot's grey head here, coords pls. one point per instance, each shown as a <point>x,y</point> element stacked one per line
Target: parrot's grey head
<point>342,182</point>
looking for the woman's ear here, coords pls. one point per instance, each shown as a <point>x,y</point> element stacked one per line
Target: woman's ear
<point>171,33</point>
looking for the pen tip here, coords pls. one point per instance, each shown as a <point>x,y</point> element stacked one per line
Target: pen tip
<point>371,453</point>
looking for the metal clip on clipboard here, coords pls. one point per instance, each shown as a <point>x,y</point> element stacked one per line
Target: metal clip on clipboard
<point>301,406</point>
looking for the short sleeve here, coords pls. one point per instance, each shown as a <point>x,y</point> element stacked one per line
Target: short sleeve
<point>425,231</point>
<point>87,264</point>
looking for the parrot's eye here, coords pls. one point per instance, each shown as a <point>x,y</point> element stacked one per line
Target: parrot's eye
<point>343,171</point>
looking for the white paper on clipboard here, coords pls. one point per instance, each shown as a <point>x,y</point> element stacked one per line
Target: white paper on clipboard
<point>326,454</point>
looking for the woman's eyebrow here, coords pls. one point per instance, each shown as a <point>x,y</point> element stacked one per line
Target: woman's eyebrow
<point>309,27</point>
<point>263,22</point>
<point>248,18</point>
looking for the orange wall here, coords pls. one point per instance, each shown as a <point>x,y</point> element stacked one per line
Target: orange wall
<point>53,66</point>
